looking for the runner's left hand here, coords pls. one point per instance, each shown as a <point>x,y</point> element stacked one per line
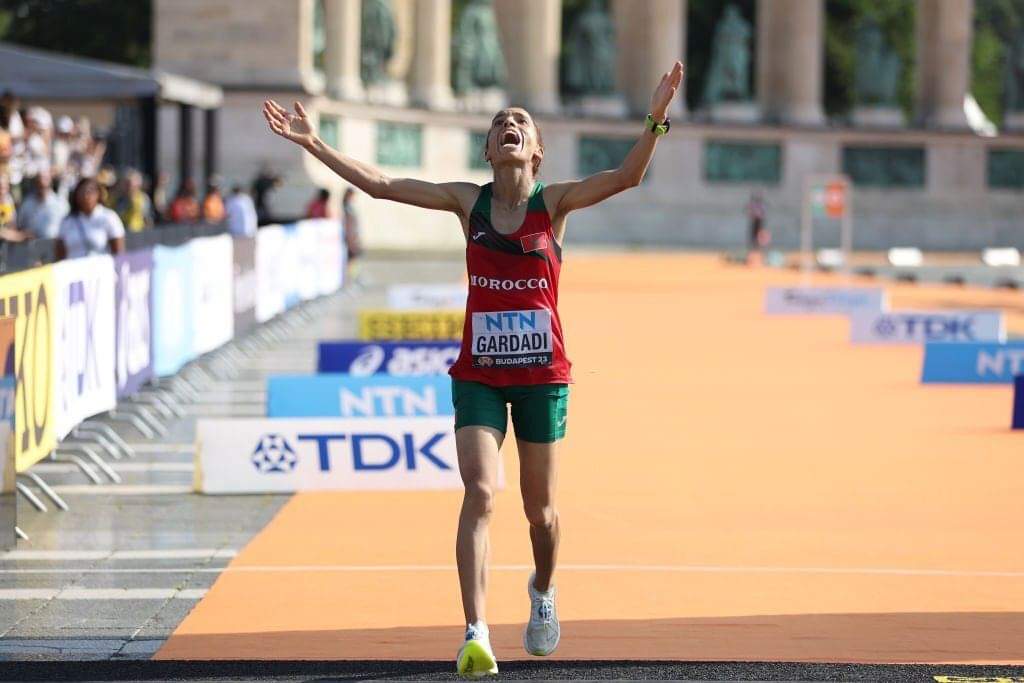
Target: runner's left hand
<point>665,91</point>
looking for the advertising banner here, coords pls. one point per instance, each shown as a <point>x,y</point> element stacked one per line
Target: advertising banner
<point>418,325</point>
<point>293,279</point>
<point>973,363</point>
<point>918,327</point>
<point>7,394</point>
<point>172,309</point>
<point>331,256</point>
<point>1018,403</point>
<point>306,235</point>
<point>400,359</point>
<point>29,297</point>
<point>213,318</point>
<point>346,396</point>
<point>271,272</point>
<point>824,300</point>
<point>134,309</point>
<point>283,455</point>
<point>427,297</point>
<point>83,343</point>
<point>245,285</point>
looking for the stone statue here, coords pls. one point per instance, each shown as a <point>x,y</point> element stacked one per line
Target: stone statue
<point>378,34</point>
<point>477,60</point>
<point>728,78</point>
<point>1013,80</point>
<point>877,67</point>
<point>590,52</point>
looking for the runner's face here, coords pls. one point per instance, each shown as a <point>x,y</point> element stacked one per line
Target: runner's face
<point>513,139</point>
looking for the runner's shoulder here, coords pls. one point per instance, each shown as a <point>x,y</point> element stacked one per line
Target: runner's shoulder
<point>465,192</point>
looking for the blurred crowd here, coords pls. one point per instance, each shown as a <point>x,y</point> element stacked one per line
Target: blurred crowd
<point>51,166</point>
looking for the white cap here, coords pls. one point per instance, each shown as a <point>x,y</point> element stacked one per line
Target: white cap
<point>65,124</point>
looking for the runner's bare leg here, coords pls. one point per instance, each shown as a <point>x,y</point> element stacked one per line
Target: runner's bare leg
<point>537,481</point>
<point>478,464</point>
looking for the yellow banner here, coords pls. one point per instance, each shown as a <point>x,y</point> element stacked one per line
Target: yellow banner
<point>382,325</point>
<point>7,356</point>
<point>28,297</point>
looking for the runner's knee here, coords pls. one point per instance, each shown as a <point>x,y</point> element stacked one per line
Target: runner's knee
<point>542,516</point>
<point>479,499</point>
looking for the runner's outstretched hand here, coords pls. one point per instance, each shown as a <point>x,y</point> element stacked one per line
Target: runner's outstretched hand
<point>665,91</point>
<point>295,127</point>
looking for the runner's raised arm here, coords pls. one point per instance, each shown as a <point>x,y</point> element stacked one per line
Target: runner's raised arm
<point>297,127</point>
<point>579,194</point>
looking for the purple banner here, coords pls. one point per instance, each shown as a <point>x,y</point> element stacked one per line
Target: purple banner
<point>134,300</point>
<point>245,284</point>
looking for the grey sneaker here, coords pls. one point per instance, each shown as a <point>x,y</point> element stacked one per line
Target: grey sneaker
<point>542,632</point>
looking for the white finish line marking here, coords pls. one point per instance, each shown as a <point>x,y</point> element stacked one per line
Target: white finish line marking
<point>161,554</point>
<point>101,594</point>
<point>679,569</point>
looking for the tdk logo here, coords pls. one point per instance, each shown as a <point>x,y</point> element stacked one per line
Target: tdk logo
<point>931,328</point>
<point>380,451</point>
<point>274,454</point>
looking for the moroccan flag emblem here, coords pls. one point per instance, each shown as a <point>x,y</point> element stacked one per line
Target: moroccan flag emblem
<point>538,241</point>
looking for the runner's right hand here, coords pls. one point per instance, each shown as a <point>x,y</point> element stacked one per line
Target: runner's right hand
<point>296,127</point>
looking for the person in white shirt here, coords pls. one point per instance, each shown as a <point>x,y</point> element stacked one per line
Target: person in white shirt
<point>42,211</point>
<point>90,228</point>
<point>241,213</point>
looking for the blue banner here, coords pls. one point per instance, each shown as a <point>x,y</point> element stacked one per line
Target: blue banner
<point>972,362</point>
<point>398,359</point>
<point>172,309</point>
<point>1018,402</point>
<point>337,395</point>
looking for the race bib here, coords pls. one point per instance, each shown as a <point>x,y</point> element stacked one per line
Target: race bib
<point>512,339</point>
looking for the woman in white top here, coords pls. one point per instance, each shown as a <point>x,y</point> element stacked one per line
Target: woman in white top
<point>90,228</point>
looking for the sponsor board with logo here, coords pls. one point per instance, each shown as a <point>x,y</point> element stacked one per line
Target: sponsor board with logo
<point>29,297</point>
<point>212,307</point>
<point>330,254</point>
<point>7,395</point>
<point>271,270</point>
<point>400,359</point>
<point>824,300</point>
<point>244,287</point>
<point>83,343</point>
<point>427,297</point>
<point>282,455</point>
<point>972,362</point>
<point>133,303</point>
<point>410,325</point>
<point>172,309</point>
<point>919,327</point>
<point>337,395</point>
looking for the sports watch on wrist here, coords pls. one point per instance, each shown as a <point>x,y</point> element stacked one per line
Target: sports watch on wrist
<point>658,129</point>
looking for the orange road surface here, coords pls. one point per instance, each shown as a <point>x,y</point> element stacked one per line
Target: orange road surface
<point>733,487</point>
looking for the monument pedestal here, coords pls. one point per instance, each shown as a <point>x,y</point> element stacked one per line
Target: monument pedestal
<point>608,107</point>
<point>877,117</point>
<point>391,93</point>
<point>734,112</point>
<point>488,100</point>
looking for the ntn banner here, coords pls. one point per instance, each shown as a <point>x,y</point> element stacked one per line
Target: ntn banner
<point>824,300</point>
<point>282,455</point>
<point>340,395</point>
<point>172,309</point>
<point>408,358</point>
<point>410,325</point>
<point>918,327</point>
<point>83,343</point>
<point>972,362</point>
<point>29,297</point>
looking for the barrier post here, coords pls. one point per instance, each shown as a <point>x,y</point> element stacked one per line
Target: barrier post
<point>1018,402</point>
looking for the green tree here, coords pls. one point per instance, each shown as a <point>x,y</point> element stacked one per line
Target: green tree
<point>111,30</point>
<point>996,25</point>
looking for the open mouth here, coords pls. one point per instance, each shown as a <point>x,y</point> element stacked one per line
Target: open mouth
<point>510,138</point>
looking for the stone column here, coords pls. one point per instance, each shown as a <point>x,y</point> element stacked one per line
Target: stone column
<point>944,33</point>
<point>342,55</point>
<point>791,61</point>
<point>531,37</point>
<point>431,67</point>
<point>650,36</point>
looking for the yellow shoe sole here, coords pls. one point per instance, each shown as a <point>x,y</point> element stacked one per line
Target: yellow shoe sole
<point>475,662</point>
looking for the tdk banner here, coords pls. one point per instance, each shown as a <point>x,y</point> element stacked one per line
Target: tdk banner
<point>823,300</point>
<point>973,363</point>
<point>338,395</point>
<point>919,327</point>
<point>400,359</point>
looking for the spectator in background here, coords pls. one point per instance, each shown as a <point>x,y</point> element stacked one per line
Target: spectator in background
<point>132,205</point>
<point>320,205</point>
<point>185,208</point>
<point>107,178</point>
<point>241,213</point>
<point>6,149</point>
<point>90,228</point>
<point>8,214</point>
<point>262,186</point>
<point>38,130</point>
<point>160,196</point>
<point>213,202</point>
<point>42,210</point>
<point>60,148</point>
<point>756,214</point>
<point>10,117</point>
<point>353,243</point>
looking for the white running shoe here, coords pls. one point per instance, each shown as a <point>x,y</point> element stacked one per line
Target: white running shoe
<point>476,658</point>
<point>543,632</point>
